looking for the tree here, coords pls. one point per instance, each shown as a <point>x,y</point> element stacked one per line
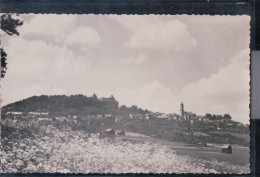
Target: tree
<point>9,26</point>
<point>112,97</point>
<point>208,115</point>
<point>227,116</point>
<point>94,96</point>
<point>3,62</point>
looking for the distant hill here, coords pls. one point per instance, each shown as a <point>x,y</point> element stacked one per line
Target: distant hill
<point>73,105</point>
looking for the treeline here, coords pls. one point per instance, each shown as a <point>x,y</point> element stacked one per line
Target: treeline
<point>72,105</point>
<point>218,117</point>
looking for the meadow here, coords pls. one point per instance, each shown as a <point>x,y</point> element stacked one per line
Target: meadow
<point>53,149</point>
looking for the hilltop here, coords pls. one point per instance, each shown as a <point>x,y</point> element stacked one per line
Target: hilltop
<point>71,105</point>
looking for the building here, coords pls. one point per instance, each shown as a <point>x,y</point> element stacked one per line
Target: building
<point>38,113</point>
<point>182,110</point>
<point>91,117</point>
<point>109,119</point>
<point>110,131</point>
<point>110,102</point>
<point>147,117</point>
<point>61,119</point>
<point>44,119</point>
<point>227,149</point>
<point>119,119</point>
<point>99,116</point>
<point>191,114</point>
<point>15,113</point>
<point>122,133</point>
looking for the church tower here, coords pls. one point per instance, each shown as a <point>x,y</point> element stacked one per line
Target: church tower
<point>182,110</point>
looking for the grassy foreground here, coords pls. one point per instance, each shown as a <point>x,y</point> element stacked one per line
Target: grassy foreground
<point>66,151</point>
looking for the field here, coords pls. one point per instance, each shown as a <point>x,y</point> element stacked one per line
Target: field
<point>246,137</point>
<point>51,149</point>
<point>240,155</point>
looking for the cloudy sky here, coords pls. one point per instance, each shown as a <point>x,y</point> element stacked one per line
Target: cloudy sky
<point>154,62</point>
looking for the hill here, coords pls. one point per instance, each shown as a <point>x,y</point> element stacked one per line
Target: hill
<point>72,105</point>
<point>75,104</point>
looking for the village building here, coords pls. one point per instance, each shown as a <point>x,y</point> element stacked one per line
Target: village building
<point>121,132</point>
<point>182,110</point>
<point>44,119</point>
<point>119,119</point>
<point>99,116</point>
<point>147,117</point>
<point>109,119</point>
<point>15,113</point>
<point>61,119</point>
<point>110,102</point>
<point>227,149</point>
<point>107,115</point>
<point>91,117</point>
<point>110,131</point>
<point>38,113</point>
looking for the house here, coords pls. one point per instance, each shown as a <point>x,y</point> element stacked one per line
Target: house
<point>191,114</point>
<point>15,113</point>
<point>239,124</point>
<point>42,113</point>
<point>107,115</point>
<point>108,119</point>
<point>205,119</point>
<point>61,119</point>
<point>44,119</point>
<point>230,125</point>
<point>38,113</point>
<point>110,131</point>
<point>99,116</point>
<point>91,117</point>
<point>161,116</point>
<point>119,118</point>
<point>147,117</point>
<point>136,116</point>
<point>226,148</point>
<point>176,117</point>
<point>122,133</point>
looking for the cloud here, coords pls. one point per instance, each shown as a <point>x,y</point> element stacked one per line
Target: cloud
<point>153,33</point>
<point>140,59</point>
<point>36,67</point>
<point>60,29</point>
<point>39,56</point>
<point>61,54</point>
<point>153,96</point>
<point>84,36</point>
<point>226,91</point>
<point>50,27</point>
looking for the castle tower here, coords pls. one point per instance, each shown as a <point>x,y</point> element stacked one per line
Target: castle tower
<point>182,110</point>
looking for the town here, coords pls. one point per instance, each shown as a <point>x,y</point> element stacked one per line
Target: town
<point>99,115</point>
<point>34,130</point>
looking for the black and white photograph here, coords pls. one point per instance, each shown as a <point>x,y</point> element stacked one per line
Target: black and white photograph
<point>125,93</point>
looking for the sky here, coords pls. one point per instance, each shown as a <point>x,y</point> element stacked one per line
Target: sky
<point>152,61</point>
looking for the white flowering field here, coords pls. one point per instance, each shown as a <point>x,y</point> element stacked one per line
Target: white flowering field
<point>66,151</point>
